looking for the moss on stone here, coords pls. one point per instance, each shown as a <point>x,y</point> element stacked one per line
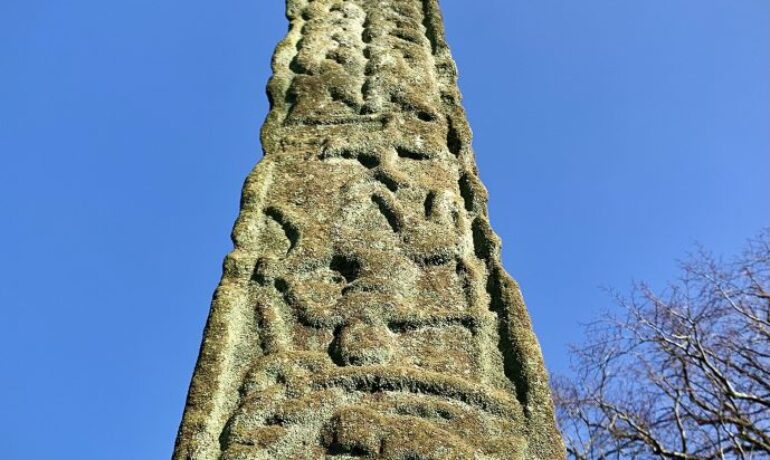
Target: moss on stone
<point>364,312</point>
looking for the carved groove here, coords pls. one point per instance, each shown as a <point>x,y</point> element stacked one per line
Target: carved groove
<point>467,192</point>
<point>411,154</point>
<point>348,267</point>
<point>512,365</point>
<point>430,202</point>
<point>386,180</point>
<point>290,230</point>
<point>453,141</point>
<point>387,210</point>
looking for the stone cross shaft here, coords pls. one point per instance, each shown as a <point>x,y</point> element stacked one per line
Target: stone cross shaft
<point>364,312</point>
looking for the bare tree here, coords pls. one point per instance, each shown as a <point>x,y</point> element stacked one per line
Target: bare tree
<point>683,374</point>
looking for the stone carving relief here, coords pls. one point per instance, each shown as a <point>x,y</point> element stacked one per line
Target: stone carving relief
<point>364,312</point>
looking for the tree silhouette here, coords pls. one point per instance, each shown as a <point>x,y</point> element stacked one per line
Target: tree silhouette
<point>681,374</point>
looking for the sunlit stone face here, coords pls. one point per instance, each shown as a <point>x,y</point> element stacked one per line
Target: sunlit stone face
<point>364,311</point>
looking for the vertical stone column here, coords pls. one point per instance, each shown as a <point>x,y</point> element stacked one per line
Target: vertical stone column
<point>364,311</point>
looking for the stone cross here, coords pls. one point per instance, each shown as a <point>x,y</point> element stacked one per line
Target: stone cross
<point>364,312</point>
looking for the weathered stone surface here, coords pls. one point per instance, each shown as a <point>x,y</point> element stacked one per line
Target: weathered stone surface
<point>364,311</point>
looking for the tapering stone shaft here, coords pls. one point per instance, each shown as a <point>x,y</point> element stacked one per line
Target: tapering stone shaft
<point>364,311</point>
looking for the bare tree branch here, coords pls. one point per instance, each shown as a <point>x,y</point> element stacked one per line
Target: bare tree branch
<point>682,374</point>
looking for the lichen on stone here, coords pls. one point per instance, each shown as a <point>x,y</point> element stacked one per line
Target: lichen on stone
<point>364,312</point>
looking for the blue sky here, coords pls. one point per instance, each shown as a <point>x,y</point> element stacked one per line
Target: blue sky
<point>611,135</point>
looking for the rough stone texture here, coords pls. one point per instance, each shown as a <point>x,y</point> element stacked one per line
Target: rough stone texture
<point>364,312</point>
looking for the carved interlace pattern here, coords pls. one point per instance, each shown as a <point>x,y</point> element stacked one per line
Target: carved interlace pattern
<point>364,311</point>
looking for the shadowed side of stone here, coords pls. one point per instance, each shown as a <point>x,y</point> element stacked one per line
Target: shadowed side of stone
<point>364,312</point>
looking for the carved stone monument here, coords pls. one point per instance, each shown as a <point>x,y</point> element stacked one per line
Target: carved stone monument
<point>364,312</point>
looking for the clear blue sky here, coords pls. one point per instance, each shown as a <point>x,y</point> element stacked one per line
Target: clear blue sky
<point>611,135</point>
